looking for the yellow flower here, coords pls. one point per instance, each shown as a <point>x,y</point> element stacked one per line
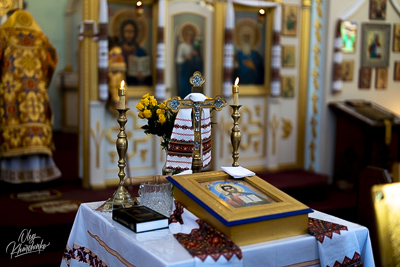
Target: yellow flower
<point>145,102</point>
<point>163,105</point>
<point>147,113</point>
<point>158,111</point>
<point>153,102</point>
<point>146,96</point>
<point>140,106</point>
<point>161,118</point>
<point>141,115</point>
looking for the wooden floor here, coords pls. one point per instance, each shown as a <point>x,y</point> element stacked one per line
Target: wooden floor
<point>311,189</point>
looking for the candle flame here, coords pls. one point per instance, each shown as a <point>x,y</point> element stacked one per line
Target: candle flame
<point>237,81</point>
<point>139,4</point>
<point>262,12</point>
<point>122,84</point>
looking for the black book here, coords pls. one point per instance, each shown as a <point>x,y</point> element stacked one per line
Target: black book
<point>140,219</point>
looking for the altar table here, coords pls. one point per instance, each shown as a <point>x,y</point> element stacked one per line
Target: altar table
<point>109,243</point>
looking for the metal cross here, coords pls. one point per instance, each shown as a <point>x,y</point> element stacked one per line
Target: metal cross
<point>175,104</point>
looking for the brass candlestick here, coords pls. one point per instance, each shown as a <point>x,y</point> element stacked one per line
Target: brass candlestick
<point>235,134</point>
<point>121,197</point>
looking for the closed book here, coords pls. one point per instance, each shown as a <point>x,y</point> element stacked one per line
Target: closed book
<point>140,219</point>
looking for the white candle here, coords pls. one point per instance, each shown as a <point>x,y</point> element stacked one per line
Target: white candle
<point>235,92</point>
<point>121,94</point>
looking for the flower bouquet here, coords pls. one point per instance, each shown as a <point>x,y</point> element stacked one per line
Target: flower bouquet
<point>160,119</point>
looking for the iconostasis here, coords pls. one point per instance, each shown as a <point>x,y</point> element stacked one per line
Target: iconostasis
<point>163,43</point>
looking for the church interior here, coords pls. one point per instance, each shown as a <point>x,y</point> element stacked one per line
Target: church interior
<point>302,93</point>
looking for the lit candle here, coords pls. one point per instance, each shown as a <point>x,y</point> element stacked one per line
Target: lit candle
<point>235,92</point>
<point>121,94</point>
<point>261,15</point>
<point>139,8</point>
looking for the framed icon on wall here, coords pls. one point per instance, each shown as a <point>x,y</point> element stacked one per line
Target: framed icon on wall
<point>375,45</point>
<point>377,9</point>
<point>396,75</point>
<point>396,37</point>
<point>347,70</point>
<point>289,20</point>
<point>381,78</point>
<point>364,79</point>
<point>348,31</point>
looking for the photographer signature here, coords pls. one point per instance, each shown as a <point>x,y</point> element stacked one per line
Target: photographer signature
<point>26,243</point>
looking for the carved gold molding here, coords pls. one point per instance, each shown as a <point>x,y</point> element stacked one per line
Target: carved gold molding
<point>315,74</point>
<point>112,154</point>
<point>225,128</point>
<point>110,136</point>
<point>306,3</point>
<point>287,127</point>
<point>249,135</point>
<point>143,154</point>
<point>97,141</point>
<point>274,126</point>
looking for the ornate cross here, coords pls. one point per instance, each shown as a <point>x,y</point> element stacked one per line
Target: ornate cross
<point>197,80</point>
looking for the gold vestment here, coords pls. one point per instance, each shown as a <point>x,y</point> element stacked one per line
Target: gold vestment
<point>28,61</point>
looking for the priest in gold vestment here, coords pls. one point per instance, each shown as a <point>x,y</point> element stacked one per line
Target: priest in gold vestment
<point>28,61</point>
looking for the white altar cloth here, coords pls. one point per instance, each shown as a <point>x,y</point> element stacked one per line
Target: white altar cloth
<point>115,245</point>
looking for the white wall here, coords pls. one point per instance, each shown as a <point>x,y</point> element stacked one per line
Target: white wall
<point>50,15</point>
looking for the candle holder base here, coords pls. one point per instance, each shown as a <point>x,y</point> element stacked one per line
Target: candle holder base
<point>121,199</point>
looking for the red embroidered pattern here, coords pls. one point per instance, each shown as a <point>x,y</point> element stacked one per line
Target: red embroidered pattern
<point>180,148</point>
<point>206,145</point>
<point>320,228</point>
<point>207,241</point>
<point>82,254</point>
<point>177,215</point>
<point>354,262</point>
<point>184,127</point>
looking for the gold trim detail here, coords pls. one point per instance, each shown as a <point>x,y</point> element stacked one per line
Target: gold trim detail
<point>130,135</point>
<point>287,127</point>
<point>257,108</point>
<point>143,154</point>
<point>97,141</point>
<point>307,3</point>
<point>112,154</point>
<point>315,73</point>
<point>246,126</point>
<point>274,124</point>
<point>110,250</point>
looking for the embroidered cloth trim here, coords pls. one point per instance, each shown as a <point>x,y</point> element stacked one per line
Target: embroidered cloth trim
<point>320,229</point>
<point>206,241</point>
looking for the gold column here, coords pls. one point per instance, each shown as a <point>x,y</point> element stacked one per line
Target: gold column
<point>218,59</point>
<point>303,78</point>
<point>88,83</point>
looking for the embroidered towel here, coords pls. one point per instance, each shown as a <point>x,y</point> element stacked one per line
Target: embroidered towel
<point>180,148</point>
<point>208,246</point>
<point>336,245</point>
